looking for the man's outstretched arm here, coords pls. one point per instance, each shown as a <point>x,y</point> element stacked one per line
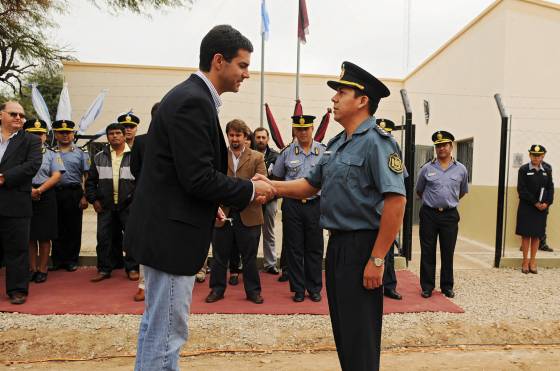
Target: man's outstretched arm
<point>298,189</point>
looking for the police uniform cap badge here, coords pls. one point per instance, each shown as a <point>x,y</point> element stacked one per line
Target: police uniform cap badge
<point>37,124</point>
<point>439,136</point>
<point>395,163</point>
<point>537,148</point>
<point>382,124</point>
<point>64,125</point>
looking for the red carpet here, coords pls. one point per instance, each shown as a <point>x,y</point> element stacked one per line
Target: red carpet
<point>72,293</point>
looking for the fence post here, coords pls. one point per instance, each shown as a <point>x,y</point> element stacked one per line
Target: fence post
<point>501,182</point>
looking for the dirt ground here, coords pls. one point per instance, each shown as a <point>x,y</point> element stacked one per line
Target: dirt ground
<point>522,358</point>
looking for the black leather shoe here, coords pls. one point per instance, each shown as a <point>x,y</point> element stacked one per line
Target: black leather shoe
<point>272,270</point>
<point>255,298</point>
<point>392,293</point>
<point>234,279</point>
<point>55,267</point>
<point>298,297</point>
<point>40,277</point>
<point>214,297</point>
<point>315,296</point>
<point>18,298</point>
<point>448,292</point>
<point>283,277</point>
<point>426,293</point>
<point>71,267</point>
<point>546,248</point>
<point>32,276</point>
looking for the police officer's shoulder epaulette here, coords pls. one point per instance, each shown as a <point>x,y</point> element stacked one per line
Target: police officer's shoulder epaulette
<point>546,166</point>
<point>335,138</point>
<point>381,132</point>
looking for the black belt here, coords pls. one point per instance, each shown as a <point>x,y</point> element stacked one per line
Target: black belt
<point>305,201</point>
<point>68,186</point>
<point>440,209</point>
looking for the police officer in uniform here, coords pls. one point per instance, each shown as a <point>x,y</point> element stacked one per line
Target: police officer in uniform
<point>441,183</point>
<point>389,275</point>
<point>536,194</point>
<point>302,234</point>
<point>362,205</point>
<point>44,219</point>
<point>70,198</point>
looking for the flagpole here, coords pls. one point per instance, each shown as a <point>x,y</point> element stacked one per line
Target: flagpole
<point>262,80</point>
<point>297,69</point>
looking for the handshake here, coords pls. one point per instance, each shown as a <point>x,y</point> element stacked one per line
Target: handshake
<point>264,190</point>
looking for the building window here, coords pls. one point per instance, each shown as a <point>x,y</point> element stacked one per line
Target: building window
<point>465,155</point>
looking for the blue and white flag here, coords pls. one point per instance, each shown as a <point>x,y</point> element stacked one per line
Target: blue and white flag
<point>64,111</point>
<point>93,111</point>
<point>265,20</point>
<point>40,106</point>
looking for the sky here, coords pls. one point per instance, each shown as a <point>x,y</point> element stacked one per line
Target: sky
<point>371,33</point>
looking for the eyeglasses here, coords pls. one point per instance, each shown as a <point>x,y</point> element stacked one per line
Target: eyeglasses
<point>16,114</point>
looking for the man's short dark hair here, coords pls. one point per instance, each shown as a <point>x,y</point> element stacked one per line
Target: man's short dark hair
<point>224,40</point>
<point>372,103</point>
<point>239,126</point>
<point>262,129</point>
<point>154,109</point>
<point>114,126</point>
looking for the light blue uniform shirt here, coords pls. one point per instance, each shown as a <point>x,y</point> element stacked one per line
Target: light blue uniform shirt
<point>51,163</point>
<point>76,163</point>
<point>442,188</point>
<point>353,175</point>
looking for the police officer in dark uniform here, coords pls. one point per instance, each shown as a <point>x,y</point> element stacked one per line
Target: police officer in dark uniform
<point>536,194</point>
<point>362,205</point>
<point>70,198</point>
<point>389,275</point>
<point>441,183</point>
<point>301,232</point>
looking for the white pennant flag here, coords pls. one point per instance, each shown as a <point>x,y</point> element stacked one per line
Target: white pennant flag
<point>64,111</point>
<point>40,106</point>
<point>93,111</point>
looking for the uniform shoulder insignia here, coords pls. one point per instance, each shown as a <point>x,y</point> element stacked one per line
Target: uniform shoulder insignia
<point>395,163</point>
<point>381,132</point>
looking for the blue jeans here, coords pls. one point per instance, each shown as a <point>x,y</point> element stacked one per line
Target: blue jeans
<point>163,329</point>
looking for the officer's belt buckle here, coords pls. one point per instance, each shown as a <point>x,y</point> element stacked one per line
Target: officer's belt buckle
<point>304,201</point>
<point>440,209</point>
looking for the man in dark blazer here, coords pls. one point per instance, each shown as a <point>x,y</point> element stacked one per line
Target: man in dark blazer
<point>20,159</point>
<point>183,182</point>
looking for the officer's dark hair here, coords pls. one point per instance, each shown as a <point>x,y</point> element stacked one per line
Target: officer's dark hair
<point>262,129</point>
<point>372,103</point>
<point>154,109</point>
<point>238,125</point>
<point>114,126</point>
<point>224,40</point>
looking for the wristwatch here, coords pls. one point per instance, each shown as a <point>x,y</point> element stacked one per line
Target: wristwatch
<point>378,262</point>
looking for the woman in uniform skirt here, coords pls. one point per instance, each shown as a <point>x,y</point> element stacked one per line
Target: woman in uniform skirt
<point>536,193</point>
<point>44,220</point>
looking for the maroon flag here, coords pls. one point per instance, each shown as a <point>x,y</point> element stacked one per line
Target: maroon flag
<point>274,132</point>
<point>303,22</point>
<point>322,129</point>
<point>298,110</point>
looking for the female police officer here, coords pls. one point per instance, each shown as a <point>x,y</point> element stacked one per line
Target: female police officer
<point>362,205</point>
<point>44,221</point>
<point>536,193</point>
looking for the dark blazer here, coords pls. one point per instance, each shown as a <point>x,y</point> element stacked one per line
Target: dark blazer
<point>183,182</point>
<point>20,163</point>
<point>136,156</point>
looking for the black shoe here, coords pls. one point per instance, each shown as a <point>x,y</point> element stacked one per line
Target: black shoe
<point>546,248</point>
<point>234,279</point>
<point>298,297</point>
<point>255,298</point>
<point>272,270</point>
<point>40,277</point>
<point>283,277</point>
<point>214,297</point>
<point>315,296</point>
<point>448,292</point>
<point>426,293</point>
<point>392,293</point>
<point>32,276</point>
<point>71,267</point>
<point>18,298</point>
<point>55,267</point>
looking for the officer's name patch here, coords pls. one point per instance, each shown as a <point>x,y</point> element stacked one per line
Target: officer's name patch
<point>395,163</point>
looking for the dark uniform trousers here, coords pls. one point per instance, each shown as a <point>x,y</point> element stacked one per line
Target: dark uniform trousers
<point>66,248</point>
<point>14,242</point>
<point>303,239</point>
<point>434,223</point>
<point>105,231</point>
<point>356,313</point>
<point>389,275</point>
<point>247,241</point>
